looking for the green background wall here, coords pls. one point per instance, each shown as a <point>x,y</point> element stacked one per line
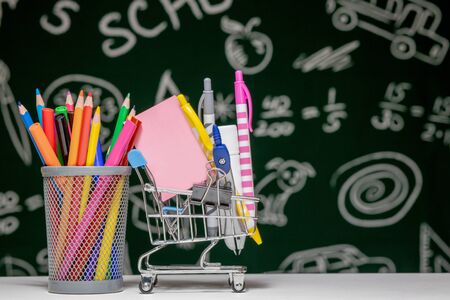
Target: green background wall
<point>352,135</point>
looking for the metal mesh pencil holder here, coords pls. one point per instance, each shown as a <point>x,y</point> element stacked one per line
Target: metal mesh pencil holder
<point>85,212</point>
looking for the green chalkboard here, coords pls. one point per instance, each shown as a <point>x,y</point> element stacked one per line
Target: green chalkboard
<point>351,119</point>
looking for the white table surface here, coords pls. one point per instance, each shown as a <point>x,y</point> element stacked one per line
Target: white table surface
<point>261,286</point>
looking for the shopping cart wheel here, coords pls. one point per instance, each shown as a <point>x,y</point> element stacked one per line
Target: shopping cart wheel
<point>238,283</point>
<point>146,285</point>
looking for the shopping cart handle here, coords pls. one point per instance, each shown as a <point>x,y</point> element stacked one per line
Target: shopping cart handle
<point>136,159</point>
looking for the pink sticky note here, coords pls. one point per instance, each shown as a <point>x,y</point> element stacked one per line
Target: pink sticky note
<point>173,154</point>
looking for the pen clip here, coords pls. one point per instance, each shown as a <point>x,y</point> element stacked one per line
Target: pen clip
<point>250,106</point>
<point>200,107</point>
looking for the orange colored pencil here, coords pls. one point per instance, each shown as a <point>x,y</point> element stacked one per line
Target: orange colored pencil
<point>85,131</point>
<point>76,131</point>
<point>47,152</point>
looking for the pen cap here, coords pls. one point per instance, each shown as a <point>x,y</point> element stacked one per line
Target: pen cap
<point>208,95</point>
<point>230,138</point>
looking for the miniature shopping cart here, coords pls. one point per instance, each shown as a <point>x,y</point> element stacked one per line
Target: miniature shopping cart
<point>208,212</point>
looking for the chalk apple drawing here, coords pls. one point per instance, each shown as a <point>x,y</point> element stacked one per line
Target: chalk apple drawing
<point>246,50</point>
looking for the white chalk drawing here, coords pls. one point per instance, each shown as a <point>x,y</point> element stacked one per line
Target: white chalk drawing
<point>286,178</point>
<point>391,108</point>
<point>403,22</point>
<point>42,261</point>
<point>166,87</point>
<point>437,126</point>
<point>326,58</point>
<point>9,204</point>
<point>275,107</point>
<point>273,129</point>
<point>13,266</point>
<point>341,258</point>
<point>11,4</point>
<point>224,107</point>
<point>34,202</point>
<point>434,252</point>
<point>113,49</point>
<point>377,189</point>
<point>104,93</point>
<point>59,10</point>
<point>13,122</point>
<point>336,113</point>
<point>246,50</point>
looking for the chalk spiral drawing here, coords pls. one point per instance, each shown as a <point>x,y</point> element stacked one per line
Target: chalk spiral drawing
<point>13,122</point>
<point>245,49</point>
<point>11,4</point>
<point>402,22</point>
<point>341,258</point>
<point>286,178</point>
<point>434,252</point>
<point>109,95</point>
<point>113,49</point>
<point>59,10</point>
<point>377,189</point>
<point>326,58</point>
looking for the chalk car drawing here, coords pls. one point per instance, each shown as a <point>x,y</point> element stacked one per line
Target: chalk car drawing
<point>286,178</point>
<point>410,25</point>
<point>340,258</point>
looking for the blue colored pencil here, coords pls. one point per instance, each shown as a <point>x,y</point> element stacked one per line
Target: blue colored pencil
<point>39,105</point>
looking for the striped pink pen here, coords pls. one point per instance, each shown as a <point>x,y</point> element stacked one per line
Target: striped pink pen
<point>244,125</point>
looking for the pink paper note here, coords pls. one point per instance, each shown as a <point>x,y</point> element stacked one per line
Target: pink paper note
<point>173,154</point>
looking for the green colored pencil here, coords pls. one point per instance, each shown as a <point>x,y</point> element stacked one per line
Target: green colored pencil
<point>123,113</point>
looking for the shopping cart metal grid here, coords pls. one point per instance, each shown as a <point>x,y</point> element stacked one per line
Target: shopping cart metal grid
<point>206,213</point>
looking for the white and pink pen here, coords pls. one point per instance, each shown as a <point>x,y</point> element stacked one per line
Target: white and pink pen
<point>244,125</point>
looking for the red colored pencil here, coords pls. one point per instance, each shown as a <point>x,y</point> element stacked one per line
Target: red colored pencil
<point>48,120</point>
<point>85,131</point>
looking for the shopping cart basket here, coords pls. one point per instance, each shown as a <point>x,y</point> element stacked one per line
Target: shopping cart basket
<point>187,218</point>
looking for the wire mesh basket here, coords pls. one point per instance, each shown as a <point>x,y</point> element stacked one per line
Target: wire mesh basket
<point>86,210</point>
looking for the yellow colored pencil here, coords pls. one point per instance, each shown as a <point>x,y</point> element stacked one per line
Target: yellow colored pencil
<point>108,233</point>
<point>76,130</point>
<point>90,158</point>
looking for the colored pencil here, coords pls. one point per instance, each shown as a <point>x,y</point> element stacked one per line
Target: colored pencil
<point>48,119</point>
<point>48,154</point>
<point>69,101</point>
<point>85,130</point>
<point>131,144</point>
<point>27,121</point>
<point>123,113</point>
<point>76,131</point>
<point>39,105</point>
<point>93,141</point>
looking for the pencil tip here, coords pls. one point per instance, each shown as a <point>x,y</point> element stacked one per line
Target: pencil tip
<point>89,94</point>
<point>38,93</point>
<point>81,94</point>
<point>19,103</point>
<point>69,93</point>
<point>128,95</point>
